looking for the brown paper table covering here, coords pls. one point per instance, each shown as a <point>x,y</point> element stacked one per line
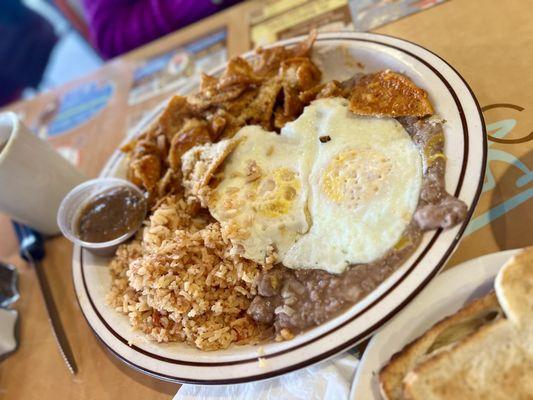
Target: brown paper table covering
<point>488,41</point>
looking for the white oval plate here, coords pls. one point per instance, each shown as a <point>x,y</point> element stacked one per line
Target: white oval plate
<point>442,297</point>
<point>466,152</point>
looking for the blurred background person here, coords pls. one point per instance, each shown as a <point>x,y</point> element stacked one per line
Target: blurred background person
<point>117,26</point>
<point>44,43</point>
<point>27,39</point>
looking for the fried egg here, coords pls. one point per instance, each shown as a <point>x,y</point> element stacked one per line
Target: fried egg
<point>331,190</point>
<point>261,199</point>
<point>364,186</point>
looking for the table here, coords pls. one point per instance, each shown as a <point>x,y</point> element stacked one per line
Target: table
<point>488,41</point>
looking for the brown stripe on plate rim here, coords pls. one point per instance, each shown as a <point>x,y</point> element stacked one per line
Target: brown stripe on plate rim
<point>366,333</point>
<point>465,160</point>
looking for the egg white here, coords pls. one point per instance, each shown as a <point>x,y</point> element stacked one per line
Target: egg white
<point>364,185</point>
<point>270,211</point>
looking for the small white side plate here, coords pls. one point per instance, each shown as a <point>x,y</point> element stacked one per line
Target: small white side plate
<point>442,297</point>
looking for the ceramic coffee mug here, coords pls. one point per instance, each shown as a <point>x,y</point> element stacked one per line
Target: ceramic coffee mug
<point>34,177</point>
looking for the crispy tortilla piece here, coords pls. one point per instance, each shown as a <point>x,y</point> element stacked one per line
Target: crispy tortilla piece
<point>300,86</point>
<point>238,72</point>
<point>170,182</point>
<point>217,123</point>
<point>236,106</point>
<point>202,101</point>
<point>261,108</point>
<point>172,118</point>
<point>389,94</point>
<point>145,172</point>
<point>226,126</point>
<point>193,133</point>
<point>198,166</point>
<point>236,79</point>
<point>149,152</point>
<point>292,105</point>
<point>280,119</point>
<point>300,73</point>
<point>268,60</point>
<point>155,145</point>
<point>303,48</point>
<point>207,83</point>
<point>265,92</point>
<point>155,140</point>
<point>297,75</point>
<point>329,89</point>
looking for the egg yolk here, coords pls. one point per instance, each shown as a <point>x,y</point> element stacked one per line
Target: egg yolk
<point>276,193</point>
<point>355,176</point>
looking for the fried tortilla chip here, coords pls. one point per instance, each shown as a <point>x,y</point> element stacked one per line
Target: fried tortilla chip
<point>268,60</point>
<point>236,106</point>
<point>169,183</point>
<point>223,125</point>
<point>236,78</point>
<point>199,164</point>
<point>172,118</point>
<point>237,72</point>
<point>207,83</point>
<point>297,75</point>
<point>192,133</point>
<point>329,89</point>
<point>145,172</point>
<point>202,101</point>
<point>300,73</point>
<point>292,105</point>
<point>389,94</point>
<point>303,48</point>
<point>280,119</point>
<point>245,93</point>
<point>260,109</point>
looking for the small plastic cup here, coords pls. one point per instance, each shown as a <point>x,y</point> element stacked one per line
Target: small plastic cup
<point>78,198</point>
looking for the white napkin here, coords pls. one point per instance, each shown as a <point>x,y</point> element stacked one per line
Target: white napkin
<point>329,380</point>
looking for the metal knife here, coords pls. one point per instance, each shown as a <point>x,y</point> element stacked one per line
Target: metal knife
<point>31,246</point>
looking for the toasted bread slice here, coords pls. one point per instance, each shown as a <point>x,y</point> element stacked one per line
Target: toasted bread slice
<point>514,287</point>
<point>490,364</point>
<point>389,94</point>
<point>440,336</point>
<point>496,361</point>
